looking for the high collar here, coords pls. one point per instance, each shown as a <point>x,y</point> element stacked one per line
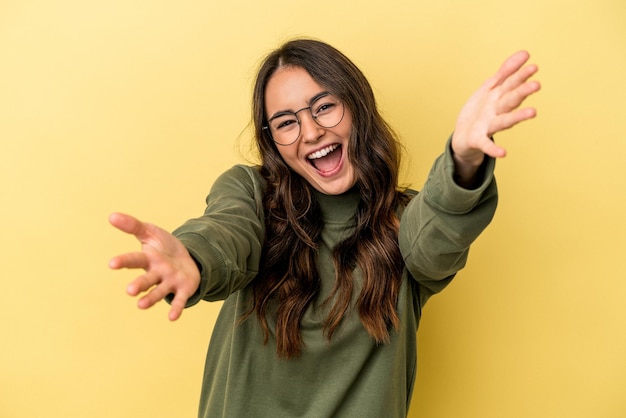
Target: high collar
<point>338,208</point>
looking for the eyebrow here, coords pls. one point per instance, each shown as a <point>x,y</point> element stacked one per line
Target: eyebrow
<point>310,102</point>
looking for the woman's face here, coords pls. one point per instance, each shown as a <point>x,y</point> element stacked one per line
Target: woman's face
<point>318,154</point>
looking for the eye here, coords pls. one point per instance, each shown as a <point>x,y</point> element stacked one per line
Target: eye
<point>325,105</point>
<point>284,122</point>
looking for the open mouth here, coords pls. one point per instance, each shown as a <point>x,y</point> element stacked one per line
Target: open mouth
<point>327,159</point>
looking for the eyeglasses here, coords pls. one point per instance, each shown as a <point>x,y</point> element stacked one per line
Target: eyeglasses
<point>327,111</point>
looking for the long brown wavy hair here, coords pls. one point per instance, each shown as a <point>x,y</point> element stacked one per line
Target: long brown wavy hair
<point>288,280</point>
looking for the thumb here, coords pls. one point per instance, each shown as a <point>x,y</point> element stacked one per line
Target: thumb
<point>128,224</point>
<point>490,148</point>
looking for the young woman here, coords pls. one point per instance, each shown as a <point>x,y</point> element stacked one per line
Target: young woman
<point>323,264</point>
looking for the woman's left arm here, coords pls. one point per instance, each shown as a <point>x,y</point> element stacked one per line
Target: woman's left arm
<point>494,107</point>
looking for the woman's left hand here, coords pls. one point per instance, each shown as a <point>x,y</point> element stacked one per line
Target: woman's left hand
<point>494,107</point>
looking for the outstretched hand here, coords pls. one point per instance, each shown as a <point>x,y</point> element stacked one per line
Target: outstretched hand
<point>168,266</point>
<point>494,107</point>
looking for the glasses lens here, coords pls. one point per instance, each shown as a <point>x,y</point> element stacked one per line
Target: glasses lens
<point>285,128</point>
<point>327,112</point>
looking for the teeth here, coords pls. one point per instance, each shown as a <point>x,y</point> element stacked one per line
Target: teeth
<point>323,152</point>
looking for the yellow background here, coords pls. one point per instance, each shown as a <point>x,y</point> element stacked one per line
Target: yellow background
<point>137,105</point>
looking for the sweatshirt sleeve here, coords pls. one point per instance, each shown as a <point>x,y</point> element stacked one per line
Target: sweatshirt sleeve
<point>226,242</point>
<point>439,224</point>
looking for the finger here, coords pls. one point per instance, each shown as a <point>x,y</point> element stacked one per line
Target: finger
<point>134,260</point>
<point>510,66</point>
<point>510,119</point>
<point>492,149</point>
<point>520,78</point>
<point>156,295</point>
<point>522,75</point>
<point>129,224</point>
<point>177,306</point>
<point>143,283</point>
<point>514,98</point>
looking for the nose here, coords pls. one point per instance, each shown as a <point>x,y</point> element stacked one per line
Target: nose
<point>310,131</point>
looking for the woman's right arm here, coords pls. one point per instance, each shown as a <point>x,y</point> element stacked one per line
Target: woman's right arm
<point>208,257</point>
<point>226,242</point>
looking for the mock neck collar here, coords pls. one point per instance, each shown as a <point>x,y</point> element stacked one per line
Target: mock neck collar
<point>338,208</point>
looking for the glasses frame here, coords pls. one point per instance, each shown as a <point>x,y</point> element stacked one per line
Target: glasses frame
<point>295,114</point>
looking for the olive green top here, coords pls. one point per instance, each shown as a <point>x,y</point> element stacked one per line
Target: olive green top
<point>350,375</point>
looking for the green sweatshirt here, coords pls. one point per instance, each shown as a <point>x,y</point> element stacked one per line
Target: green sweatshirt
<point>350,375</point>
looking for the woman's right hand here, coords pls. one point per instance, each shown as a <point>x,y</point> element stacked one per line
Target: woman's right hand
<point>169,269</point>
